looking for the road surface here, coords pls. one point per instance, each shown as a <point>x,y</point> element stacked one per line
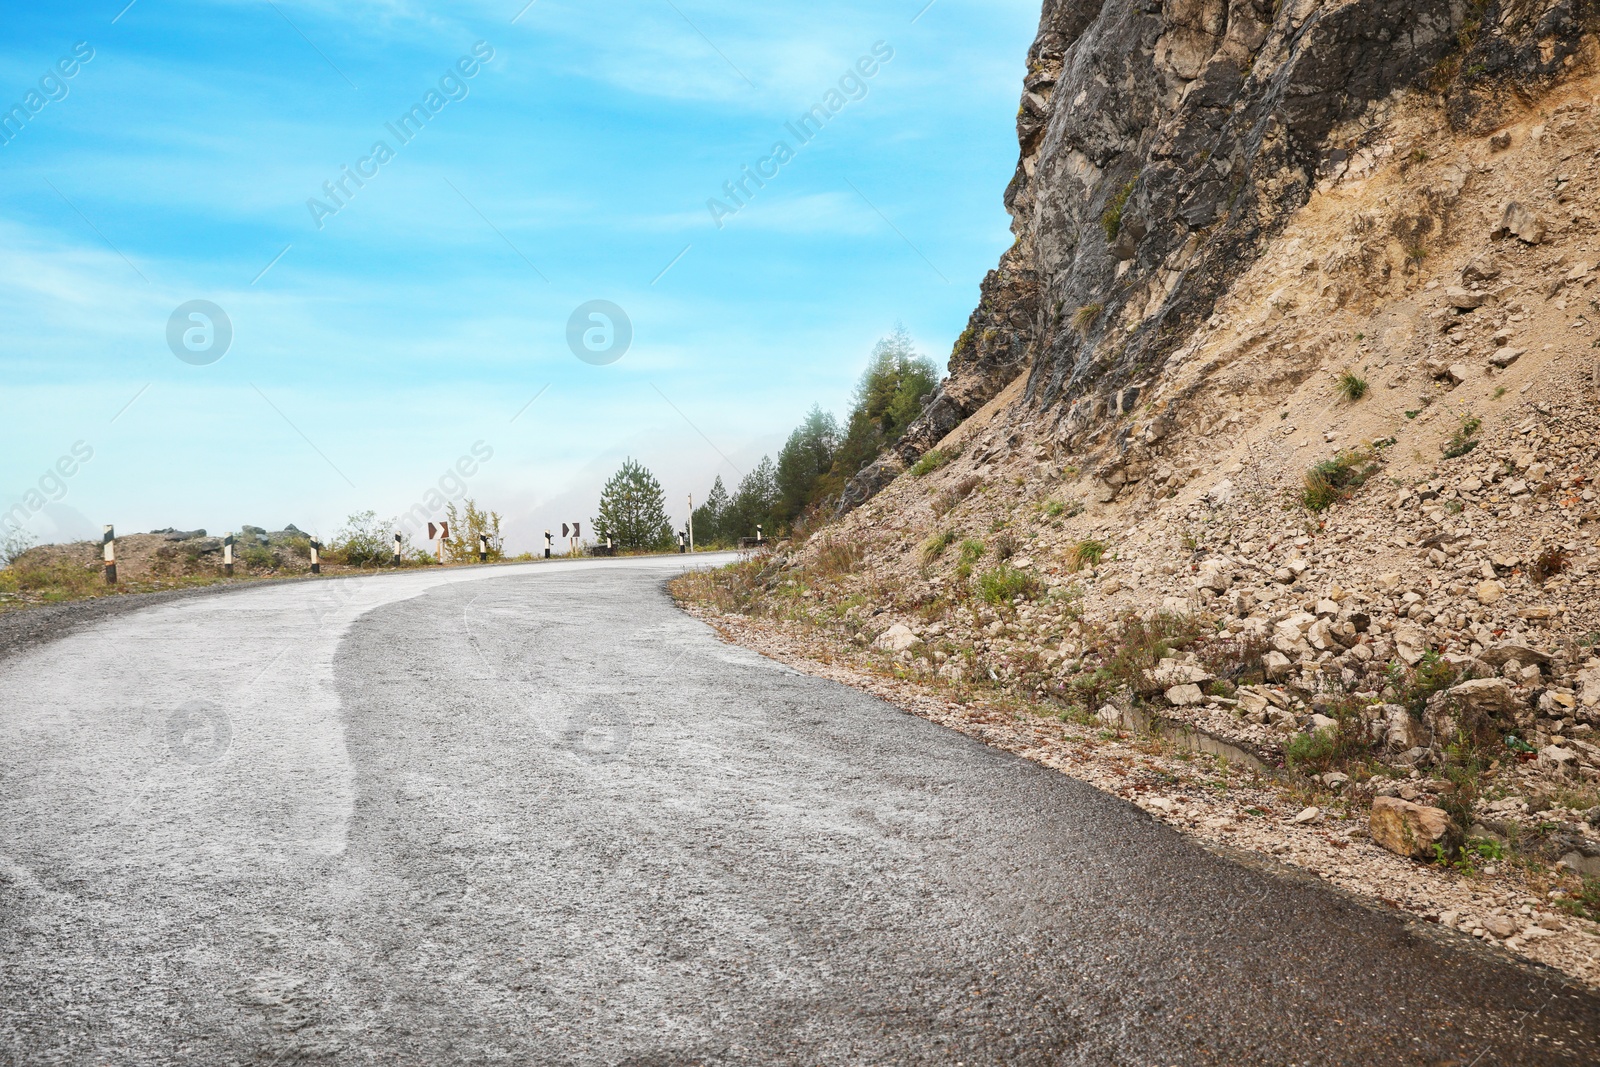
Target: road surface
<point>536,815</point>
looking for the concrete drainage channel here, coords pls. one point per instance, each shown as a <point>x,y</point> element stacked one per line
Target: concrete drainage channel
<point>1190,738</point>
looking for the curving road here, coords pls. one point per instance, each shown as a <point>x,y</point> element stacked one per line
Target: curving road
<point>536,815</point>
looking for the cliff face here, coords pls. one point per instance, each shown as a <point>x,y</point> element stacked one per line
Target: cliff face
<point>1163,147</point>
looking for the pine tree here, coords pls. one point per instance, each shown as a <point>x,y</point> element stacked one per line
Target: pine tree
<point>806,457</point>
<point>888,398</point>
<point>633,509</point>
<point>710,517</point>
<point>753,503</point>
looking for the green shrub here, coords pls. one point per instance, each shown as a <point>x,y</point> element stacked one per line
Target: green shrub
<point>1465,438</point>
<point>1352,386</point>
<point>1311,752</point>
<point>1005,583</point>
<point>931,461</point>
<point>258,557</point>
<point>1336,480</point>
<point>1111,221</point>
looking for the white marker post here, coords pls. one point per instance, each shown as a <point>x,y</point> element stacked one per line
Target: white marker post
<point>109,551</point>
<point>227,555</point>
<point>760,538</point>
<point>691,522</point>
<point>483,548</point>
<point>397,550</point>
<point>316,557</point>
<point>549,542</point>
<point>682,543</point>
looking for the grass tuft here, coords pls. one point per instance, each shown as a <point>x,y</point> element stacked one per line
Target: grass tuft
<point>1084,318</point>
<point>1333,481</point>
<point>1352,386</point>
<point>931,461</point>
<point>1086,553</point>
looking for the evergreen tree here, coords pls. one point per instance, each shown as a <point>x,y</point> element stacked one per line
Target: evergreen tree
<point>710,517</point>
<point>633,510</point>
<point>753,502</point>
<point>806,457</point>
<point>888,398</point>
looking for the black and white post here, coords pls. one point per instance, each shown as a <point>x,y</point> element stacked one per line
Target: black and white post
<point>109,551</point>
<point>397,550</point>
<point>690,526</point>
<point>227,555</point>
<point>316,557</point>
<point>682,543</point>
<point>760,537</point>
<point>548,543</point>
<point>483,548</point>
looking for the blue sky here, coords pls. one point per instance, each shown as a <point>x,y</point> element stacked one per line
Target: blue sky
<point>419,317</point>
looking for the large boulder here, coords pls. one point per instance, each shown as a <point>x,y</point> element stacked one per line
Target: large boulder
<point>1215,575</point>
<point>1492,697</point>
<point>1171,672</point>
<point>1517,221</point>
<point>898,638</point>
<point>1408,829</point>
<point>1498,655</point>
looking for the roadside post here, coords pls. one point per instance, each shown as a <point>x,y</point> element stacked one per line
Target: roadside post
<point>316,556</point>
<point>682,543</point>
<point>760,537</point>
<point>109,551</point>
<point>397,550</point>
<point>441,534</point>
<point>227,554</point>
<point>548,542</point>
<point>690,526</point>
<point>483,548</point>
<point>610,551</point>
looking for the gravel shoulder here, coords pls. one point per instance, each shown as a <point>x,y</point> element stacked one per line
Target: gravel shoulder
<point>1226,806</point>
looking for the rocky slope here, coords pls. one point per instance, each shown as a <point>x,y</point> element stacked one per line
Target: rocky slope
<point>1165,146</point>
<point>1299,448</point>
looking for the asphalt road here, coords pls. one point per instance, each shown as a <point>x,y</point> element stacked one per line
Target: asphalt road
<point>538,816</point>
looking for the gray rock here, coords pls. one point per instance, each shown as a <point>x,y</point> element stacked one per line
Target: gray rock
<point>1488,696</point>
<point>1501,926</point>
<point>1517,221</point>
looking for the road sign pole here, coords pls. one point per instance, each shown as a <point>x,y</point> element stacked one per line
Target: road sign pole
<point>109,551</point>
<point>397,550</point>
<point>316,557</point>
<point>548,542</point>
<point>227,555</point>
<point>691,522</point>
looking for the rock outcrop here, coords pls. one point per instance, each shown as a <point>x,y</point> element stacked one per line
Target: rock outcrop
<point>1163,146</point>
